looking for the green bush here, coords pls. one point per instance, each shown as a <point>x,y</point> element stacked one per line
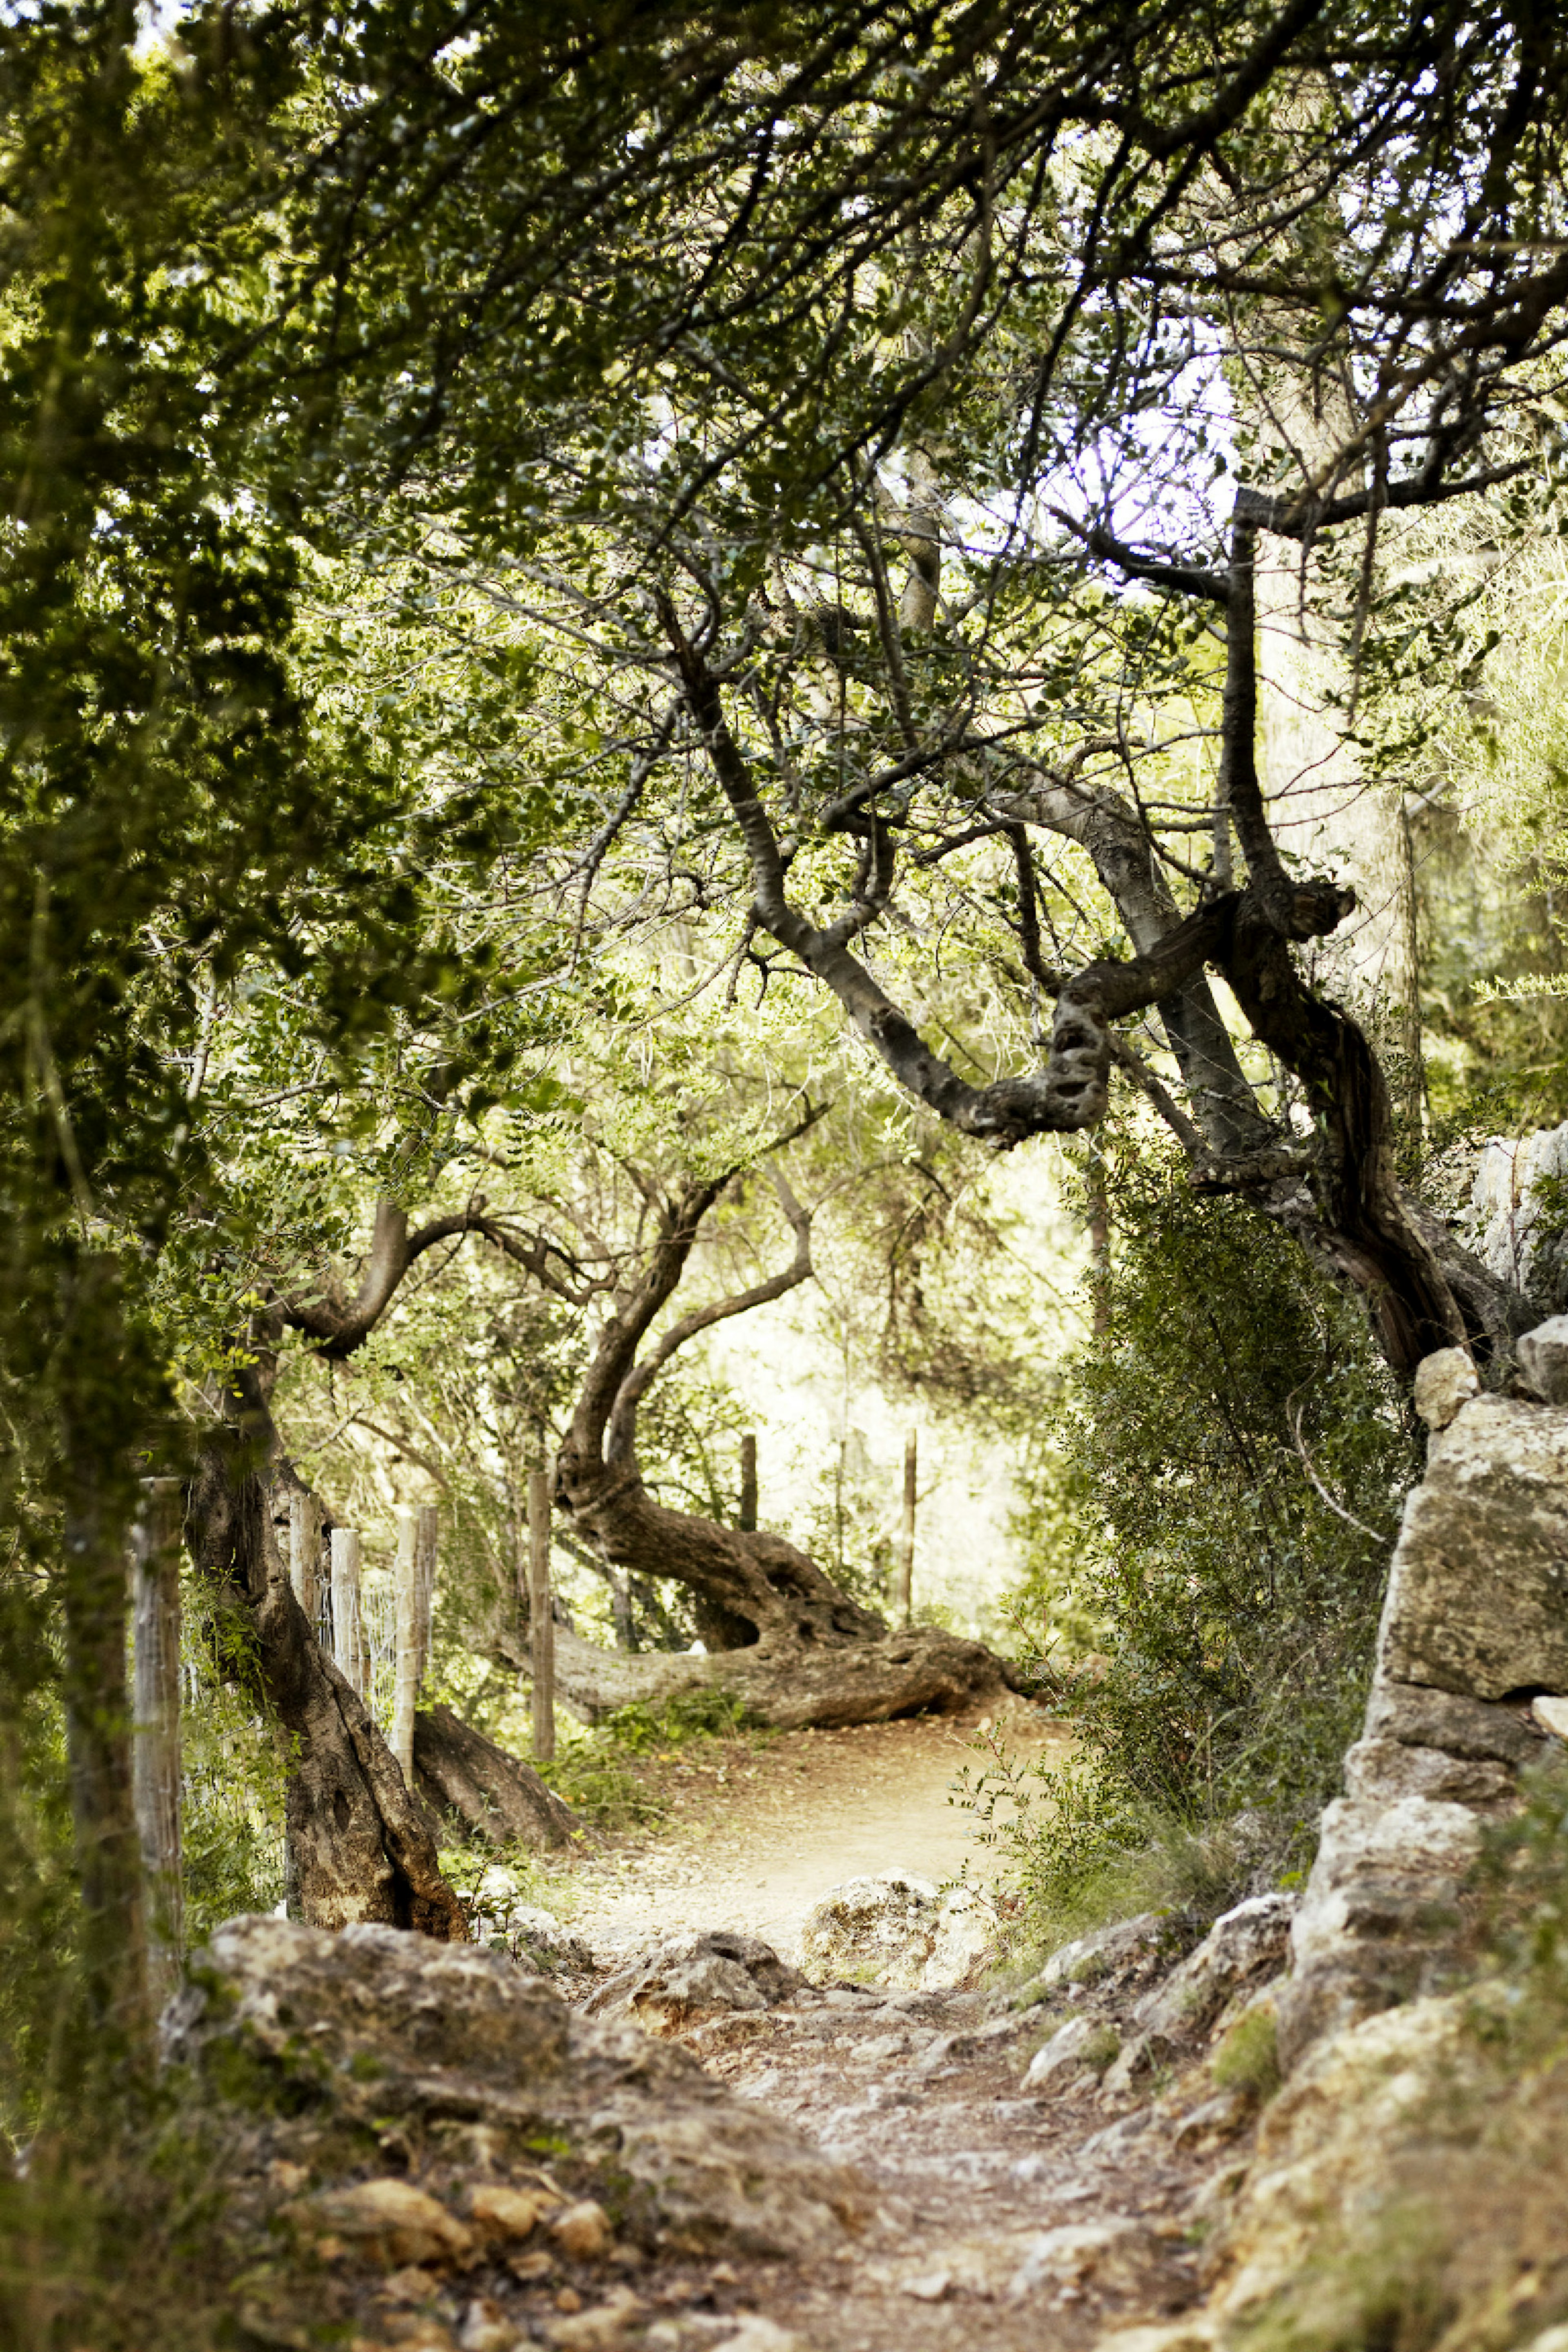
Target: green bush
<point>233,1774</point>
<point>1219,1494</point>
<point>597,1772</point>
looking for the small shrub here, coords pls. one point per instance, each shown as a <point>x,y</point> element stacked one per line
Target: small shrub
<point>648,1725</point>
<point>599,1773</point>
<point>1523,1879</point>
<point>1220,1493</point>
<point>1102,2049</point>
<point>1248,2057</point>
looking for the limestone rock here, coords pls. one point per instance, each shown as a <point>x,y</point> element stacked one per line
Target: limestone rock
<point>1066,2052</point>
<point>1543,1358</point>
<point>583,2230</point>
<point>536,1940</point>
<point>1245,1947</point>
<point>1510,1233</point>
<point>1444,1382</point>
<point>507,2214</point>
<point>1476,1609</point>
<point>1384,1770</point>
<point>685,1981</point>
<point>1477,1594</point>
<point>602,2329</point>
<point>1111,2253</point>
<point>754,2333</point>
<point>1464,1726</point>
<point>389,2221</point>
<point>900,1931</point>
<point>1138,2059</point>
<point>449,2045</point>
<point>1325,2145</point>
<point>1553,1714</point>
<point>1108,1951</point>
<point>1376,1921</point>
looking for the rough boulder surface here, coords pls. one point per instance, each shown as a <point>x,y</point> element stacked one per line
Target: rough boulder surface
<point>900,1931</point>
<point>687,1980</point>
<point>1543,1358</point>
<point>1475,1622</point>
<point>1242,1951</point>
<point>1444,1381</point>
<point>450,2058</point>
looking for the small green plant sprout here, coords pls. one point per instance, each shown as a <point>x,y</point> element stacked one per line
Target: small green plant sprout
<point>1248,2057</point>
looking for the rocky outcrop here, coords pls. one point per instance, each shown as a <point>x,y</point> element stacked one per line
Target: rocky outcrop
<point>1475,1626</point>
<point>535,1938</point>
<point>1245,1948</point>
<point>459,2066</point>
<point>685,1981</point>
<point>900,1931</point>
<point>1477,1594</point>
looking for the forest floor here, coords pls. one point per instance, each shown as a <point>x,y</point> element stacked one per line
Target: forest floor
<point>991,2213</point>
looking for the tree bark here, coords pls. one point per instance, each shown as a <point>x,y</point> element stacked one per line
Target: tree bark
<point>99,1500</point>
<point>541,1621</point>
<point>97,1746</point>
<point>500,1800</point>
<point>361,1848</point>
<point>155,1544</point>
<point>922,1670</point>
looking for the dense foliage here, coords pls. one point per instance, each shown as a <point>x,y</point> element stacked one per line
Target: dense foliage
<point>1214,1520</point>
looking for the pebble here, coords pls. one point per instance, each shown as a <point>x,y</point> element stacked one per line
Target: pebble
<point>582,2231</point>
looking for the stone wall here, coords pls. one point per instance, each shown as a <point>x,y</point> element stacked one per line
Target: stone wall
<point>1472,1669</point>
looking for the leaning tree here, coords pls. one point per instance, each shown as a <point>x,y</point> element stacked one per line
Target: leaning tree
<point>920,515</point>
<point>643,1249</point>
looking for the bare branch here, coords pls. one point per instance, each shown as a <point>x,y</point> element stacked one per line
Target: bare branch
<point>1301,518</point>
<point>635,1387</point>
<point>1187,579</point>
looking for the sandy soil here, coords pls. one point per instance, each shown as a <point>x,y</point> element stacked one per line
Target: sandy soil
<point>758,1835</point>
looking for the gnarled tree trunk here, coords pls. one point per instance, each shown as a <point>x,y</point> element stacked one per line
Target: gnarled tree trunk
<point>795,1648</point>
<point>361,1844</point>
<point>498,1800</point>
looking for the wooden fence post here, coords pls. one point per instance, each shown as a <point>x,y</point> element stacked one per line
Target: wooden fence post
<point>904,1579</point>
<point>349,1648</point>
<point>405,1669</point>
<point>305,1556</point>
<point>747,1484</point>
<point>155,1751</point>
<point>540,1624</point>
<point>426,1538</point>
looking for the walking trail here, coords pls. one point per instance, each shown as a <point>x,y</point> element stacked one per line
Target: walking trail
<point>757,1836</point>
<point>1017,2218</point>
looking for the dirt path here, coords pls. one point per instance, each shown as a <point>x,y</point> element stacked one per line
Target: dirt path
<point>994,2211</point>
<point>998,2216</point>
<point>968,2198</point>
<point>758,1835</point>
